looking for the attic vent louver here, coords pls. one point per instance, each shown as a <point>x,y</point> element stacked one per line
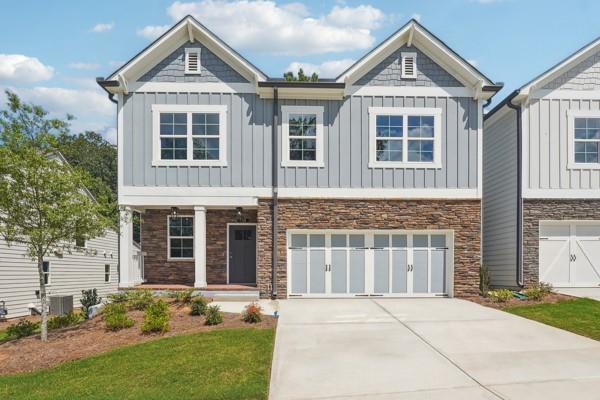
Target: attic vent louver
<point>409,65</point>
<point>192,61</point>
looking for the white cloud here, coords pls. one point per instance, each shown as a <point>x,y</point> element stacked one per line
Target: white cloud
<point>327,69</point>
<point>98,28</point>
<point>18,68</point>
<point>116,63</point>
<point>265,26</point>
<point>82,65</point>
<point>152,31</point>
<point>416,17</point>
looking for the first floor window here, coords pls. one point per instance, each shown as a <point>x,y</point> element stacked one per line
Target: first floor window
<point>181,237</point>
<point>137,227</point>
<point>106,272</point>
<point>587,140</point>
<point>46,272</point>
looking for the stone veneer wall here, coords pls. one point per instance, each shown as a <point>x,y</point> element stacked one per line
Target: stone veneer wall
<point>157,269</point>
<point>535,210</point>
<point>463,216</point>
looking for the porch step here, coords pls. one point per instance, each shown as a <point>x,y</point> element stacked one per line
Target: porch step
<point>231,295</point>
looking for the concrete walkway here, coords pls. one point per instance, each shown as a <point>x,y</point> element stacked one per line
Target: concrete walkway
<point>425,349</point>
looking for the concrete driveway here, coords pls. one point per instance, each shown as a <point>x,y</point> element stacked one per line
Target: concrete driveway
<point>592,293</point>
<point>425,349</point>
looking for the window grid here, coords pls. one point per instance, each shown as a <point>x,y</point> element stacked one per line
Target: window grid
<point>302,137</point>
<point>46,272</point>
<point>389,137</point>
<point>587,140</point>
<point>420,138</point>
<point>181,237</point>
<point>205,132</point>
<point>173,136</point>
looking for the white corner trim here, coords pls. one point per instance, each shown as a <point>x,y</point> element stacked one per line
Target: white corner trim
<point>561,193</point>
<point>285,137</point>
<point>120,143</point>
<point>192,87</point>
<point>157,109</point>
<point>480,147</point>
<point>571,115</point>
<point>405,112</point>
<point>409,91</point>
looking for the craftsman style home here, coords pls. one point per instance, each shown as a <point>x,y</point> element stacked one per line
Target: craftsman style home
<point>541,178</point>
<point>369,184</point>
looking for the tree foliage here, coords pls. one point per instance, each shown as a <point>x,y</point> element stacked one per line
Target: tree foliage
<point>302,77</point>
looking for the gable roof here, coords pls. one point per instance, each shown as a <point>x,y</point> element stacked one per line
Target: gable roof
<point>187,29</point>
<point>415,33</point>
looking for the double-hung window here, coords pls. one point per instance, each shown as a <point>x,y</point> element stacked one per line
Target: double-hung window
<point>584,139</point>
<point>106,273</point>
<point>405,137</point>
<point>181,237</point>
<point>189,135</point>
<point>302,143</point>
<point>46,272</point>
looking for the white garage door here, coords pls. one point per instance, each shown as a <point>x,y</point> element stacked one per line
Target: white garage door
<point>374,263</point>
<point>570,253</point>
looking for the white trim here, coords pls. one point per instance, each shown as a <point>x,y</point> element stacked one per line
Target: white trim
<point>285,141</point>
<point>120,143</point>
<point>405,112</point>
<point>169,258</point>
<point>199,246</point>
<point>480,148</point>
<point>571,163</point>
<point>255,245</point>
<point>565,94</point>
<point>404,55</point>
<point>197,51</point>
<point>379,193</point>
<point>192,87</point>
<point>409,91</point>
<point>561,193</point>
<point>157,109</point>
<point>49,273</point>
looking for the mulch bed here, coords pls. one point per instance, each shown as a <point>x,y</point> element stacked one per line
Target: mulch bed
<point>514,302</point>
<point>91,338</point>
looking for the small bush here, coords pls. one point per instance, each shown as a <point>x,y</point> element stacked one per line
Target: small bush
<point>156,318</point>
<point>546,287</point>
<point>484,280</point>
<point>139,299</point>
<point>118,297</point>
<point>62,321</point>
<point>538,292</point>
<point>500,295</point>
<point>252,314</point>
<point>214,316</point>
<point>21,329</point>
<point>115,317</point>
<point>199,304</point>
<point>182,296</point>
<point>89,298</point>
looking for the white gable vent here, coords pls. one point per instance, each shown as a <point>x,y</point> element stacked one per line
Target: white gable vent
<point>192,61</point>
<point>409,65</point>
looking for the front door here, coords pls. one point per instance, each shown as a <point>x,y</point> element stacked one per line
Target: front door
<point>242,254</point>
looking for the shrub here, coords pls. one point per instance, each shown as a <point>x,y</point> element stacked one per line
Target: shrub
<point>538,292</point>
<point>546,287</point>
<point>62,321</point>
<point>115,317</point>
<point>484,280</point>
<point>139,299</point>
<point>252,313</point>
<point>214,316</point>
<point>500,295</point>
<point>21,329</point>
<point>156,318</point>
<point>183,296</point>
<point>89,298</point>
<point>199,304</point>
<point>118,297</point>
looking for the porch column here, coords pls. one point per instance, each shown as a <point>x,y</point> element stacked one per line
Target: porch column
<point>200,246</point>
<point>126,248</point>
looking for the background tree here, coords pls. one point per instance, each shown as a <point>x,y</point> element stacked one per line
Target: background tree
<point>44,203</point>
<point>302,77</point>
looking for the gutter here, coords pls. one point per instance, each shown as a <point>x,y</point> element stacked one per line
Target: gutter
<point>274,178</point>
<point>104,84</point>
<point>518,109</point>
<point>295,84</point>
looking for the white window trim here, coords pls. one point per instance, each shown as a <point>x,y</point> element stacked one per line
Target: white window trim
<point>436,113</point>
<point>157,109</point>
<point>109,273</point>
<point>571,115</point>
<point>285,142</point>
<point>49,273</point>
<point>196,50</point>
<point>404,55</point>
<point>169,258</point>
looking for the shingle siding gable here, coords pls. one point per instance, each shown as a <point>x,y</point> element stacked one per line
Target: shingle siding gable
<point>583,76</point>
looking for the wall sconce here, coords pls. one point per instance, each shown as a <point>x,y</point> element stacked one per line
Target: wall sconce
<point>239,217</point>
<point>174,211</point>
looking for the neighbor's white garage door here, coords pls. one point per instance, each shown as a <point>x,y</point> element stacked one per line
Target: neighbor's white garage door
<point>570,253</point>
<point>372,263</point>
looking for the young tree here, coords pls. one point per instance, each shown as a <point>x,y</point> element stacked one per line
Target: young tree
<point>302,77</point>
<point>44,203</point>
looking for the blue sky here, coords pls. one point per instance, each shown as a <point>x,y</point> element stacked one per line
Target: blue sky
<point>51,54</point>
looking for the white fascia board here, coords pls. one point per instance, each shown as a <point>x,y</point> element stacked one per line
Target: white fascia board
<point>561,193</point>
<point>379,193</point>
<point>192,87</point>
<point>409,91</point>
<point>547,94</point>
<point>302,93</point>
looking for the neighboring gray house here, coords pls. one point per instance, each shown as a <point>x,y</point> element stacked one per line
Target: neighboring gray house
<point>364,185</point>
<point>541,178</point>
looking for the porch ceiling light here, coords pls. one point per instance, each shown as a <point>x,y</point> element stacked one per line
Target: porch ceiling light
<point>174,211</point>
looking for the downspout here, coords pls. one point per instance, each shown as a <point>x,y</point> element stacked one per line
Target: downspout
<point>519,271</point>
<point>274,178</point>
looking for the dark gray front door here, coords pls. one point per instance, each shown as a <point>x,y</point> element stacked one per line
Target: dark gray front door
<point>242,254</point>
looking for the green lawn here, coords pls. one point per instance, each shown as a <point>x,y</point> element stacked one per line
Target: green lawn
<point>581,316</point>
<point>2,335</point>
<point>219,364</point>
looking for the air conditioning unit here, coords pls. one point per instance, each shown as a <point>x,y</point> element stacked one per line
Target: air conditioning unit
<point>61,305</point>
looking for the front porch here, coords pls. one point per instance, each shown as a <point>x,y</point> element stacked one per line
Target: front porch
<point>217,292</point>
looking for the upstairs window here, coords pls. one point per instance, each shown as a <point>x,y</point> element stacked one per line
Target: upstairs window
<point>584,139</point>
<point>409,65</point>
<point>46,272</point>
<point>189,134</point>
<point>192,61</point>
<point>404,137</point>
<point>302,143</point>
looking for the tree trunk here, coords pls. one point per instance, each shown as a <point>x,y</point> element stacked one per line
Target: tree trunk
<point>43,300</point>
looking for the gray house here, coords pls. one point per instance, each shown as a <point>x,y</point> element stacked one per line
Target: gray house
<point>541,178</point>
<point>369,184</point>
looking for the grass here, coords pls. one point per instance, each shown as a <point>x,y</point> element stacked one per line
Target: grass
<point>581,316</point>
<point>3,336</point>
<point>219,364</point>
